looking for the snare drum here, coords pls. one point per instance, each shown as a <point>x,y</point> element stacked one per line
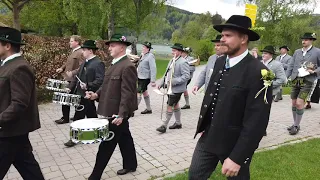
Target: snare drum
<point>90,131</point>
<point>57,85</point>
<point>68,99</point>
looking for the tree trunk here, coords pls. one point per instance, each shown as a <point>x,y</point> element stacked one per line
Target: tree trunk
<point>111,24</point>
<point>16,16</point>
<point>134,47</point>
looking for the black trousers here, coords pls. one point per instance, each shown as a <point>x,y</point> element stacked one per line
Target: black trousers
<point>18,151</point>
<point>203,163</point>
<point>66,109</point>
<point>124,139</point>
<point>89,111</point>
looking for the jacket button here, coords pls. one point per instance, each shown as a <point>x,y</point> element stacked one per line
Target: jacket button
<point>215,83</point>
<point>211,94</point>
<point>200,116</point>
<point>220,71</point>
<point>205,106</point>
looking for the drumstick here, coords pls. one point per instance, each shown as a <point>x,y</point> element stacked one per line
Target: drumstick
<point>79,79</point>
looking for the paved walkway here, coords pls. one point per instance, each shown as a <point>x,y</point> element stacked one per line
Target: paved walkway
<point>157,154</point>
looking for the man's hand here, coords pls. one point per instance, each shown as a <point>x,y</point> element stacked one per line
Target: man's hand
<point>310,71</point>
<point>195,89</point>
<point>230,168</point>
<point>153,84</point>
<point>83,86</point>
<point>59,70</point>
<point>91,95</point>
<point>69,74</point>
<point>68,90</point>
<point>117,121</point>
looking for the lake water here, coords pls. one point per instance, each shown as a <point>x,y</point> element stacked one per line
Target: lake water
<point>162,50</point>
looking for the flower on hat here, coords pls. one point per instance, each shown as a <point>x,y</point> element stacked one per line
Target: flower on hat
<point>313,35</point>
<point>123,38</point>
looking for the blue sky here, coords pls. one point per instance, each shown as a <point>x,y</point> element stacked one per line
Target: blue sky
<point>226,8</point>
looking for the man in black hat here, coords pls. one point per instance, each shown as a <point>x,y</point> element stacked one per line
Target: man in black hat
<point>91,74</point>
<point>19,113</point>
<point>175,80</point>
<point>285,59</point>
<point>276,67</point>
<point>147,72</point>
<point>186,54</point>
<point>303,71</point>
<point>232,119</point>
<point>118,98</point>
<point>206,73</point>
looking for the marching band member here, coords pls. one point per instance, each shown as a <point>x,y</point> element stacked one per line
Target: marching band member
<point>303,72</point>
<point>206,73</point>
<point>91,74</point>
<point>275,67</point>
<point>232,119</point>
<point>285,59</point>
<point>117,97</point>
<point>70,66</point>
<point>186,55</point>
<point>19,113</point>
<point>147,72</point>
<point>175,79</point>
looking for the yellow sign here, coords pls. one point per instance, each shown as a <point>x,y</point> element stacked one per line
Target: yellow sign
<point>251,12</point>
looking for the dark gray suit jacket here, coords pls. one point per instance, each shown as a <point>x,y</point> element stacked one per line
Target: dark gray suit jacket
<point>313,56</point>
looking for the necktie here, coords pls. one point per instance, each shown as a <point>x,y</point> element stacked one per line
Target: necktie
<point>227,63</point>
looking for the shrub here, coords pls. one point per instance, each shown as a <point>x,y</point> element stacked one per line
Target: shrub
<point>46,54</point>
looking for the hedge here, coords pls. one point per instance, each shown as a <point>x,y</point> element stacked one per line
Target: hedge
<point>46,54</point>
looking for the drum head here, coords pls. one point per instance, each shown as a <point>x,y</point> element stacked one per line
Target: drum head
<point>90,123</point>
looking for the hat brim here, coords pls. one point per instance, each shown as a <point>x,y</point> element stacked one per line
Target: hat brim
<point>147,46</point>
<point>284,47</point>
<point>12,42</point>
<point>253,36</point>
<point>126,43</point>
<point>177,48</point>
<point>265,50</point>
<point>215,40</point>
<point>89,47</point>
<point>312,38</point>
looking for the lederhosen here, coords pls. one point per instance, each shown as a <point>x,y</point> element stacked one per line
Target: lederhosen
<point>142,83</point>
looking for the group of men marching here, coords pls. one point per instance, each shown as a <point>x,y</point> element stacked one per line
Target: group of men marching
<point>232,120</point>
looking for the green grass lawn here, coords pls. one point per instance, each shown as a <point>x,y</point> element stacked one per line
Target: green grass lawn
<point>291,162</point>
<point>161,67</point>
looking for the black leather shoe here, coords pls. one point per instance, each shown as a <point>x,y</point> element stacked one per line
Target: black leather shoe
<point>186,107</point>
<point>69,144</point>
<point>125,171</point>
<point>146,111</point>
<point>162,129</point>
<point>61,121</point>
<point>175,126</point>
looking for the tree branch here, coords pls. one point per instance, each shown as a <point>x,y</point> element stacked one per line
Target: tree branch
<point>20,6</point>
<point>8,6</point>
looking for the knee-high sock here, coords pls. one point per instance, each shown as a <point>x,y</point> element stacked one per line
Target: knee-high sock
<point>147,100</point>
<point>186,97</point>
<point>299,116</point>
<point>294,114</point>
<point>168,117</point>
<point>177,115</point>
<point>139,99</point>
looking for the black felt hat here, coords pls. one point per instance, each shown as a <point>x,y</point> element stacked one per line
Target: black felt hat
<point>240,23</point>
<point>11,35</point>
<point>269,49</point>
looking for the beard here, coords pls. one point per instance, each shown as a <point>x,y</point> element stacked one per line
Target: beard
<point>232,50</point>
